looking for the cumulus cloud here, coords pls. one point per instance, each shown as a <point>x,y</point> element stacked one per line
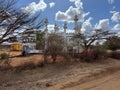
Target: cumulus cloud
<point>34,7</point>
<point>110,1</point>
<point>116,27</point>
<point>52,4</point>
<point>77,3</point>
<point>61,16</point>
<point>69,14</point>
<point>103,24</point>
<point>116,16</point>
<point>87,26</point>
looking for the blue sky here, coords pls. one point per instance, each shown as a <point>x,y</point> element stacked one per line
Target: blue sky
<point>104,14</point>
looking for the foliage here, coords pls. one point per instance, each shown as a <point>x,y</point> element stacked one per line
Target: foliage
<point>86,39</point>
<point>55,45</point>
<point>112,43</point>
<point>100,54</point>
<point>40,41</point>
<point>4,56</point>
<point>115,55</point>
<point>93,55</point>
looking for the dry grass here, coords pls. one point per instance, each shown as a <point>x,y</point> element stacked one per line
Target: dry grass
<point>32,59</point>
<point>35,59</point>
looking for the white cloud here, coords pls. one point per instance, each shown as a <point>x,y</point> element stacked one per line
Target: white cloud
<point>70,31</point>
<point>69,14</point>
<point>34,7</point>
<point>116,27</point>
<point>118,34</point>
<point>61,16</point>
<point>116,16</point>
<point>112,12</point>
<point>110,1</point>
<point>77,3</point>
<point>87,26</point>
<point>52,4</point>
<point>51,27</point>
<point>103,24</point>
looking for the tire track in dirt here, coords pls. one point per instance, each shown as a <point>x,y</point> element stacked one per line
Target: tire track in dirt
<point>86,79</point>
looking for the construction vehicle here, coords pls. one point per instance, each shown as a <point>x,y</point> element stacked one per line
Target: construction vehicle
<point>16,47</point>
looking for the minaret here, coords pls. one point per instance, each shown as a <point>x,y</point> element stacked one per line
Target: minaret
<point>46,32</point>
<point>46,24</point>
<point>65,27</point>
<point>65,36</point>
<point>46,27</point>
<point>76,24</point>
<point>56,28</point>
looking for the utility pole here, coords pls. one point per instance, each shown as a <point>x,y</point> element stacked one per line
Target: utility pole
<point>46,32</point>
<point>46,40</point>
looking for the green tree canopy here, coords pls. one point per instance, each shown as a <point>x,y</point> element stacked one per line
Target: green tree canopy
<point>112,43</point>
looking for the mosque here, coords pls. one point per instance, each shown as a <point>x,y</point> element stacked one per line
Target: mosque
<point>68,36</point>
<point>29,36</point>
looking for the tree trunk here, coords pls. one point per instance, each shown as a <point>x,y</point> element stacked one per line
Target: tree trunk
<point>54,57</point>
<point>45,57</point>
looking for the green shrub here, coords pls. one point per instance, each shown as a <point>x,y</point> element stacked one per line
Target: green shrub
<point>4,56</point>
<point>115,55</point>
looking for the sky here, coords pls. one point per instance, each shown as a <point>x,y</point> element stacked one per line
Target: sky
<point>92,14</point>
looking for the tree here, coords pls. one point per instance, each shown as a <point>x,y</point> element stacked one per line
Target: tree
<point>12,20</point>
<point>87,39</point>
<point>55,45</point>
<point>40,40</point>
<point>112,43</point>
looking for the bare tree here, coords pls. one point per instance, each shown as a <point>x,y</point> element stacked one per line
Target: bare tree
<point>12,21</point>
<point>55,45</point>
<point>87,39</point>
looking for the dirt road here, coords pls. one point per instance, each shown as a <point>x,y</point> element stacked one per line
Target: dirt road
<point>111,82</point>
<point>65,76</point>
